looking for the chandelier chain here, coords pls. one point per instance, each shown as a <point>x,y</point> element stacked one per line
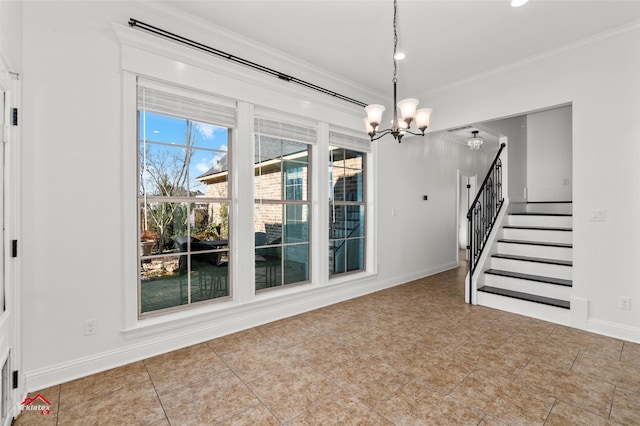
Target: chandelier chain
<point>395,40</point>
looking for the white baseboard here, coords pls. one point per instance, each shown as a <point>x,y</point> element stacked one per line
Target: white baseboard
<point>611,329</point>
<point>162,338</point>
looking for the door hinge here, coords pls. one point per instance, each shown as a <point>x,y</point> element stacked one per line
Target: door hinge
<point>14,248</point>
<point>14,116</point>
<point>15,380</point>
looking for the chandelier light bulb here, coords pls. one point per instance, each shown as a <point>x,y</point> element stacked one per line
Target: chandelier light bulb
<point>368,127</point>
<point>399,56</point>
<point>374,114</point>
<point>423,118</point>
<point>408,109</point>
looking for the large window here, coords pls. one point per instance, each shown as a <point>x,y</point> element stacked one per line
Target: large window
<point>347,206</point>
<point>183,198</point>
<point>282,207</point>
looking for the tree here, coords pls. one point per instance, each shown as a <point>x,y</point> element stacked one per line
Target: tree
<point>164,172</point>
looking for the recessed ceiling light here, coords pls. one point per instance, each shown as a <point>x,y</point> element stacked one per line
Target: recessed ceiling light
<point>399,56</point>
<point>518,3</point>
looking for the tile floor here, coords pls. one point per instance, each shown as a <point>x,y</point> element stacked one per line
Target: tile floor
<point>411,355</point>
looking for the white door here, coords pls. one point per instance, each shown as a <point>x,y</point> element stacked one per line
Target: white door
<point>9,397</point>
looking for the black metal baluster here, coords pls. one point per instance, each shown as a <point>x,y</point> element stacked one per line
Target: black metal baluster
<point>483,213</point>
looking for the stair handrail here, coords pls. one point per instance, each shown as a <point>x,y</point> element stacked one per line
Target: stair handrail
<point>490,196</point>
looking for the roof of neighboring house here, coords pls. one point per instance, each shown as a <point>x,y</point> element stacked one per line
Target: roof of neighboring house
<point>269,149</point>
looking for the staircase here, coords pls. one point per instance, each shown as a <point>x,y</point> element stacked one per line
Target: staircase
<point>530,271</point>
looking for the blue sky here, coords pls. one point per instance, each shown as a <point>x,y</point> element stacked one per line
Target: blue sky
<point>211,140</point>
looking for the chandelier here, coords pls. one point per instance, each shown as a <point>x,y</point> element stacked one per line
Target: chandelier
<point>475,141</point>
<point>399,126</point>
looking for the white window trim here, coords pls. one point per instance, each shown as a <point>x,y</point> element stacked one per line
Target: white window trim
<point>146,56</point>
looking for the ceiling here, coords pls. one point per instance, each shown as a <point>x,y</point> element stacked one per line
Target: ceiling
<point>445,41</point>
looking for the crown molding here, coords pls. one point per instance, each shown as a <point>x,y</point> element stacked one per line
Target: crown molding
<point>538,57</point>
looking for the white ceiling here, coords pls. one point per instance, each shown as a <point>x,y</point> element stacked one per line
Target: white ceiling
<point>445,41</point>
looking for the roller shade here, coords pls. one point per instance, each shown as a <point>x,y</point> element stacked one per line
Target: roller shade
<point>343,139</point>
<point>284,126</point>
<point>186,104</point>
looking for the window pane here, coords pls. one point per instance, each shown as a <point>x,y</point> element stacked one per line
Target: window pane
<point>336,155</point>
<point>268,270</point>
<point>295,180</point>
<point>353,185</point>
<point>268,220</point>
<point>162,128</point>
<point>162,283</point>
<point>337,213</point>
<point>162,222</point>
<point>336,257</point>
<point>164,170</point>
<point>268,181</point>
<point>210,222</point>
<point>209,277</point>
<point>210,174</point>
<point>353,221</point>
<point>353,159</point>
<point>296,226</point>
<point>337,183</point>
<point>205,135</point>
<point>296,263</point>
<point>355,254</point>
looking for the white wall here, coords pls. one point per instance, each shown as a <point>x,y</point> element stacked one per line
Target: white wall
<point>11,35</point>
<point>600,80</point>
<point>422,238</point>
<point>74,212</point>
<point>515,129</point>
<point>549,156</point>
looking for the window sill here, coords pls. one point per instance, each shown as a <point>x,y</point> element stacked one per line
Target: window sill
<point>178,320</point>
<point>352,277</point>
<point>201,319</point>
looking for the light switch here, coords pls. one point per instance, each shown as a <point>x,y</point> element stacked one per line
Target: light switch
<point>597,215</point>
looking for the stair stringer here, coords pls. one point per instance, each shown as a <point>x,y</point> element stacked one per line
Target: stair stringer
<point>491,247</point>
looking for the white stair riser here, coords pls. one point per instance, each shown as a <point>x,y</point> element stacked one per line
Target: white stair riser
<point>527,286</point>
<point>538,235</point>
<point>522,307</point>
<point>535,268</point>
<point>565,208</point>
<point>550,221</point>
<point>560,253</point>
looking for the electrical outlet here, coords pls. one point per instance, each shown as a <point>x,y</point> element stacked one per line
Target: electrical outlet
<point>625,303</point>
<point>89,327</point>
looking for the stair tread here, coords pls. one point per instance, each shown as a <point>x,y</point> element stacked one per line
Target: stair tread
<point>534,259</point>
<point>538,228</point>
<point>526,296</point>
<point>539,214</point>
<point>530,277</point>
<point>535,243</point>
